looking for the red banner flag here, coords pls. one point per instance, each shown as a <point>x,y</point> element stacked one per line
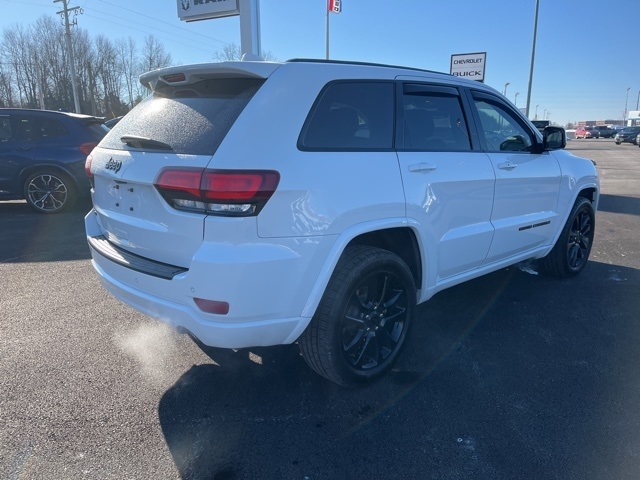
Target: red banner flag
<point>335,6</point>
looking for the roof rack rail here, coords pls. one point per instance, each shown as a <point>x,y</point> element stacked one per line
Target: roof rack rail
<point>367,64</point>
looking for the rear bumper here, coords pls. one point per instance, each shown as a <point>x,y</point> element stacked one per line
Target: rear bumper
<point>210,332</point>
<point>265,291</point>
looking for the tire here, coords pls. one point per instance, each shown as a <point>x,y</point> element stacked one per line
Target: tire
<point>49,192</point>
<point>361,324</point>
<point>571,252</point>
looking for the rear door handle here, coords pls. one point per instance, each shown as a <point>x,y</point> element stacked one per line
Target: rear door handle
<point>507,166</point>
<point>23,149</point>
<point>421,167</point>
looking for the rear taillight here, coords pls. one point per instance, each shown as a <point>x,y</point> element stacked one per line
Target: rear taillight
<point>86,148</point>
<point>87,166</point>
<point>218,192</point>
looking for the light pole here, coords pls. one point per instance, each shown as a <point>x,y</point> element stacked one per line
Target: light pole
<point>626,104</point>
<point>544,114</point>
<point>504,92</point>
<point>638,101</point>
<point>533,57</point>
<point>536,117</point>
<point>516,99</point>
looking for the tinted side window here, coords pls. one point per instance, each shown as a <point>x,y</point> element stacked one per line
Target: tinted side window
<point>23,129</point>
<point>5,129</point>
<point>192,119</point>
<point>500,129</point>
<point>49,128</point>
<point>433,119</point>
<point>351,116</point>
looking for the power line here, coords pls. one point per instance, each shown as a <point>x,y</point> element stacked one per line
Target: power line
<point>120,19</point>
<point>172,25</point>
<point>29,3</point>
<point>151,30</point>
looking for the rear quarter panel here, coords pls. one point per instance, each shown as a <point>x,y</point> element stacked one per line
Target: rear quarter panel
<point>320,193</point>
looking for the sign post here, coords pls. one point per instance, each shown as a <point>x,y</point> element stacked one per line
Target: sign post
<point>249,11</point>
<point>469,65</point>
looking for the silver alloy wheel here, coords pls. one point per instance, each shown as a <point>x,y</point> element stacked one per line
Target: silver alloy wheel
<point>47,193</point>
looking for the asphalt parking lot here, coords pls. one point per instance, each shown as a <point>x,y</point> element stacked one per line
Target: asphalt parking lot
<point>513,375</point>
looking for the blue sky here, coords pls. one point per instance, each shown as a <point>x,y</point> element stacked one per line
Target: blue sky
<point>580,72</point>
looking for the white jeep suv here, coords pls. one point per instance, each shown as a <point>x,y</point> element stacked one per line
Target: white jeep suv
<point>254,203</point>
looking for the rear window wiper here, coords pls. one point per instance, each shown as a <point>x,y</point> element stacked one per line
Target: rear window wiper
<point>142,142</point>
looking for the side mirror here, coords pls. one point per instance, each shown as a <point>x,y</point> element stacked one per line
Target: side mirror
<point>554,138</point>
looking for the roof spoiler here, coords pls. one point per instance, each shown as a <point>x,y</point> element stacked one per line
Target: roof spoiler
<point>188,74</point>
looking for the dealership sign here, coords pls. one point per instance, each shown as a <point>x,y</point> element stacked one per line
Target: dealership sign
<point>469,65</point>
<point>191,10</point>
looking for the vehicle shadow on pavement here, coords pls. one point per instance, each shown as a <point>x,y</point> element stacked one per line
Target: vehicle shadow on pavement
<point>619,204</point>
<point>513,375</point>
<point>29,236</point>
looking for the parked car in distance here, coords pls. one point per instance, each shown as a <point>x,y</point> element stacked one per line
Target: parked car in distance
<point>587,132</point>
<point>605,131</point>
<point>541,124</point>
<point>627,135</point>
<point>318,202</point>
<point>42,156</point>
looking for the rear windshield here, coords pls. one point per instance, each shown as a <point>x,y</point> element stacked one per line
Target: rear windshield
<point>192,119</point>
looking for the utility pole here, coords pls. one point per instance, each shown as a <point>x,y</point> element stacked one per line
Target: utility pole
<point>65,16</point>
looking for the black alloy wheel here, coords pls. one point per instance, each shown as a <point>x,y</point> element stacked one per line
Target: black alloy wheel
<point>580,239</point>
<point>571,252</point>
<point>361,324</point>
<point>374,321</point>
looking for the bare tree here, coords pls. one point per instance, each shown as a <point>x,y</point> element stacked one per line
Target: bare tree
<point>232,52</point>
<point>34,68</point>
<point>153,55</point>
<point>129,69</point>
<point>109,76</point>
<point>53,63</point>
<point>17,51</point>
<point>6,87</point>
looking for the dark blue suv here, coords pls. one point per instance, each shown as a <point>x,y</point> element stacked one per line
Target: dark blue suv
<point>42,156</point>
